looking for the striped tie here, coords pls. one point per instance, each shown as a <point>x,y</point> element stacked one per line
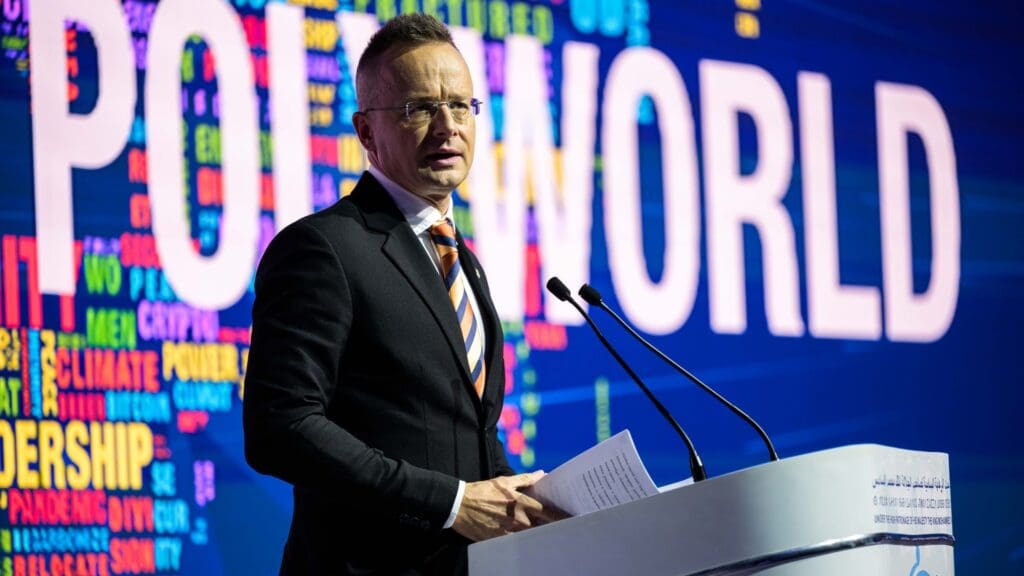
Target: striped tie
<point>443,235</point>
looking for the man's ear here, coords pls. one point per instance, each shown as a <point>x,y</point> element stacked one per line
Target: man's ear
<point>364,131</point>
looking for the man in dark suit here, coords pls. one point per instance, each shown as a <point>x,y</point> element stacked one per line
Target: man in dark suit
<point>375,376</point>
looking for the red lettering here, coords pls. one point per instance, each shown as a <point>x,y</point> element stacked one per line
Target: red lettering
<point>130,514</point>
<point>89,507</point>
<point>149,371</point>
<point>92,369</point>
<point>137,166</point>
<point>12,306</point>
<point>27,253</point>
<point>192,421</point>
<point>160,449</point>
<point>138,208</point>
<point>209,65</point>
<point>63,371</point>
<point>77,406</point>
<point>56,507</point>
<point>65,564</point>
<point>132,556</point>
<point>260,70</point>
<point>266,192</point>
<point>139,250</point>
<point>210,189</point>
<point>255,32</point>
<point>543,336</point>
<point>229,335</point>
<point>124,377</point>
<point>76,369</point>
<point>324,150</point>
<point>532,289</point>
<point>67,302</point>
<point>103,371</point>
<point>509,354</point>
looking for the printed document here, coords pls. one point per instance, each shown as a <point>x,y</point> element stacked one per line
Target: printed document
<point>606,475</point>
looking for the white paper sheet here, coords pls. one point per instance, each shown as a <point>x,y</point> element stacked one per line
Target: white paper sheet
<point>601,477</point>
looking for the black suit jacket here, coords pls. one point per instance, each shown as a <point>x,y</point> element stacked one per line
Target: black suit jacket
<point>357,391</point>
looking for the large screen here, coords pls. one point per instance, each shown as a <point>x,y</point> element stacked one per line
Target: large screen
<point>813,206</point>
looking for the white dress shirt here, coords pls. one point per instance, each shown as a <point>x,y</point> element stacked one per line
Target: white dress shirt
<point>421,216</point>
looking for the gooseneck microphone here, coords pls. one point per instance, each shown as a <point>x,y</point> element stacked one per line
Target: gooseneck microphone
<point>593,297</point>
<point>556,287</point>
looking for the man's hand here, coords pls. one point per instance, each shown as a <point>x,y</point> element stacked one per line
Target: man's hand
<point>497,507</point>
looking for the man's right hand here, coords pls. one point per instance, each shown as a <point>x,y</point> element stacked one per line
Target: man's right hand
<point>497,507</point>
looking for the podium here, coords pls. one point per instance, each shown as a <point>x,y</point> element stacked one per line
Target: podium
<point>856,510</point>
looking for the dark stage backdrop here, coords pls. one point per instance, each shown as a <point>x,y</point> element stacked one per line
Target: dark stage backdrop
<point>815,206</point>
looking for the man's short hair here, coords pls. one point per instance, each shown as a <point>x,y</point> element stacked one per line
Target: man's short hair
<point>400,33</point>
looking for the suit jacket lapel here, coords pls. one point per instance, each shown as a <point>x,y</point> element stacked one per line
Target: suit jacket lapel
<point>404,250</point>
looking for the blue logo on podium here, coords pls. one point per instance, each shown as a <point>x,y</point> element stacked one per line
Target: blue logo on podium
<point>917,562</point>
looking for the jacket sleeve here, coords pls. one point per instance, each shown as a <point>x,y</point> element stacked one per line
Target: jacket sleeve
<point>302,317</point>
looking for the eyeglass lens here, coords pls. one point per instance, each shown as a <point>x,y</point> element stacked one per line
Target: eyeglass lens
<point>425,111</point>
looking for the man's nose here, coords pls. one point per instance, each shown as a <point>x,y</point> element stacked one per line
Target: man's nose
<point>443,122</point>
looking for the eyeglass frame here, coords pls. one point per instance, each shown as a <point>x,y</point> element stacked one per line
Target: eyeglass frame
<point>474,107</point>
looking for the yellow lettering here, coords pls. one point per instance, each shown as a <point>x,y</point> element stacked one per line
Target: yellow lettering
<point>168,360</point>
<point>351,156</point>
<point>321,116</point>
<point>76,437</point>
<point>104,473</point>
<point>200,361</point>
<point>228,362</point>
<point>7,450</point>
<point>121,448</point>
<point>140,453</point>
<point>48,362</point>
<point>321,34</point>
<point>346,186</point>
<point>26,453</point>
<point>51,455</point>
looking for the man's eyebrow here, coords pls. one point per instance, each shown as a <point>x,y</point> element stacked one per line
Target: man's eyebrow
<point>414,95</point>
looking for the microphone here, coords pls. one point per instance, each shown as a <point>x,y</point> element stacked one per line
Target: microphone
<point>593,297</point>
<point>556,287</point>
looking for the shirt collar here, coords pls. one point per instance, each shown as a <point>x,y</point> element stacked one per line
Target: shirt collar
<point>419,213</point>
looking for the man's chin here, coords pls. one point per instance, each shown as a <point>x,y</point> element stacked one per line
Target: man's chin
<point>446,179</point>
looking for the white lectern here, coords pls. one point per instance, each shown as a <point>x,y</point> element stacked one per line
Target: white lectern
<point>856,510</point>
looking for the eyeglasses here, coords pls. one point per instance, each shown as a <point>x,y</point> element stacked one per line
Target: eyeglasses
<point>424,111</point>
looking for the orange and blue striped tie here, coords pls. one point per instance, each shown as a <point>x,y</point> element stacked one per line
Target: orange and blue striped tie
<point>443,235</point>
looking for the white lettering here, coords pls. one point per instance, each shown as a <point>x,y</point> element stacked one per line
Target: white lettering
<point>833,310</point>
<point>734,199</point>
<point>216,281</point>
<point>657,308</point>
<point>289,105</point>
<point>62,140</point>
<point>911,317</point>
